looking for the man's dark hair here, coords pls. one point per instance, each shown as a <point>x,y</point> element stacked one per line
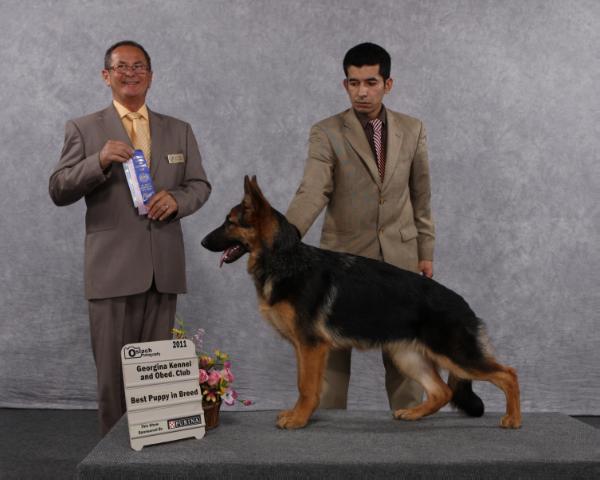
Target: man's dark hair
<point>129,43</point>
<point>368,54</point>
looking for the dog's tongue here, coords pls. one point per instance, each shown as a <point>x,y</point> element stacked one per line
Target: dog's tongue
<point>223,257</point>
<point>227,254</point>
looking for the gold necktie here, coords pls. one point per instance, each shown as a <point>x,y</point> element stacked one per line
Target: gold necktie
<point>139,135</point>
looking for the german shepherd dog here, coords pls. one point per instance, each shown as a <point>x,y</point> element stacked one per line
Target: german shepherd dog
<point>319,300</point>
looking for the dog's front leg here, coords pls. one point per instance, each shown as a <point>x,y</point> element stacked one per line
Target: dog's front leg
<point>311,364</point>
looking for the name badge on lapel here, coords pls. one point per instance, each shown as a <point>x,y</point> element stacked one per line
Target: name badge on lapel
<point>176,158</point>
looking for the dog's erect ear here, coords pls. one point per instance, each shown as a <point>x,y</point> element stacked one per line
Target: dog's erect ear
<point>247,186</point>
<point>247,200</point>
<point>257,193</point>
<point>256,189</point>
<point>253,197</point>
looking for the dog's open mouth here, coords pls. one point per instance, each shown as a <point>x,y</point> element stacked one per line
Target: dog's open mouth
<point>232,254</point>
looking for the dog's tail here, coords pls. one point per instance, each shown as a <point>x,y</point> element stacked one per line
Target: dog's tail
<point>463,396</point>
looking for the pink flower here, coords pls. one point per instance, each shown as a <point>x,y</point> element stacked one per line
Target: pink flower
<point>203,376</point>
<point>227,364</point>
<point>227,375</point>
<point>247,402</point>
<point>213,378</point>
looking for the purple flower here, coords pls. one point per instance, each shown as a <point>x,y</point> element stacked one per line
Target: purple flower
<point>198,339</point>
<point>230,397</point>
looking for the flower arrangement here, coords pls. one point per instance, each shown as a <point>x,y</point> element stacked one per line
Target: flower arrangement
<point>216,376</point>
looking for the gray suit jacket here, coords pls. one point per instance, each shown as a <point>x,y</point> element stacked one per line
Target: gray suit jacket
<point>123,250</point>
<point>389,221</point>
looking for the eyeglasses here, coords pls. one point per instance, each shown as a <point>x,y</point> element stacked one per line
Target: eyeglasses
<point>122,68</point>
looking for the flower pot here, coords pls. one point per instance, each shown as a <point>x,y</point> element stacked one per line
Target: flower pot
<point>211,413</point>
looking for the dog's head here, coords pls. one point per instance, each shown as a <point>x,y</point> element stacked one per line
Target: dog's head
<point>249,226</point>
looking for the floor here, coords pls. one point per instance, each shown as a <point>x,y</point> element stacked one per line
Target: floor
<point>48,444</point>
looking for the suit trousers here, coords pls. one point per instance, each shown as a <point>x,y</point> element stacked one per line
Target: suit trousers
<point>115,322</point>
<point>402,391</point>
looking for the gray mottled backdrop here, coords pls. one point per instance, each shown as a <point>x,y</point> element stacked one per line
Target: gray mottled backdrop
<point>508,90</point>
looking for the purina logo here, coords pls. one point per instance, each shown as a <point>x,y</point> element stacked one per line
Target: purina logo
<point>184,422</point>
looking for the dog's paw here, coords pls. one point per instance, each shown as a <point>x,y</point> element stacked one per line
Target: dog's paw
<point>407,414</point>
<point>288,420</point>
<point>508,421</point>
<point>284,413</point>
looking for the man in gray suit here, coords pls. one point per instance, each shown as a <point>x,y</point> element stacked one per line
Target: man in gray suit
<point>368,165</point>
<point>134,264</point>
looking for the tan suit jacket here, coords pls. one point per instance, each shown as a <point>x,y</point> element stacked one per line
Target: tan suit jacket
<point>389,221</point>
<point>123,250</point>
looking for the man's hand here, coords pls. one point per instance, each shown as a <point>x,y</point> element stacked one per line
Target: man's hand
<point>114,151</point>
<point>426,268</point>
<point>161,206</point>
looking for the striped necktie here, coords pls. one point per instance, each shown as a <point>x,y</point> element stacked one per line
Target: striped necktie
<point>139,135</point>
<point>377,126</point>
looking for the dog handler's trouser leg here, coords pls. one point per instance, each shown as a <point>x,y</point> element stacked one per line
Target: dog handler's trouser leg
<point>115,322</point>
<point>403,392</point>
<point>336,379</point>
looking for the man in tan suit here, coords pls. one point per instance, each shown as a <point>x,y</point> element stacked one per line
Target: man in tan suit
<point>368,165</point>
<point>134,264</point>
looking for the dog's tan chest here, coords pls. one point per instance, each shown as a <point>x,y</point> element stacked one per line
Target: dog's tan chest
<point>281,316</point>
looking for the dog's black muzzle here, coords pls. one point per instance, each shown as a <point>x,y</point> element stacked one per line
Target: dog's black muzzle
<point>217,241</point>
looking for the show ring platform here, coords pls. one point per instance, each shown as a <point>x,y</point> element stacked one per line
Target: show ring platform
<point>360,444</point>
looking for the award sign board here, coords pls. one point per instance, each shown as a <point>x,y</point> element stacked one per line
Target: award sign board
<point>164,400</point>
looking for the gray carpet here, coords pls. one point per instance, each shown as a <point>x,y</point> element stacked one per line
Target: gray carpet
<point>354,444</point>
<point>45,444</point>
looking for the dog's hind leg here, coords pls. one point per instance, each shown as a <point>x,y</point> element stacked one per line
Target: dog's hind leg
<point>311,365</point>
<point>505,378</point>
<point>417,366</point>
